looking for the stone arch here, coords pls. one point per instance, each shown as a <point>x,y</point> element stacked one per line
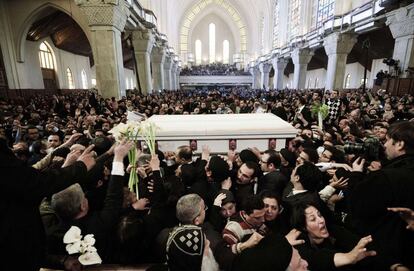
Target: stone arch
<point>74,12</point>
<point>192,14</point>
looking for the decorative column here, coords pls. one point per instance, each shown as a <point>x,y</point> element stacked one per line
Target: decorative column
<point>177,80</point>
<point>143,41</point>
<point>174,75</point>
<point>158,58</point>
<point>264,70</point>
<point>279,65</point>
<point>107,20</point>
<point>255,72</point>
<point>300,58</point>
<point>167,72</point>
<point>337,47</point>
<point>401,24</point>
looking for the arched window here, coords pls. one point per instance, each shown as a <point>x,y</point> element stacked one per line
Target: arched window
<point>69,76</point>
<point>45,56</point>
<point>84,80</point>
<point>325,10</point>
<point>212,42</point>
<point>226,52</point>
<point>347,81</point>
<point>276,23</point>
<point>198,52</point>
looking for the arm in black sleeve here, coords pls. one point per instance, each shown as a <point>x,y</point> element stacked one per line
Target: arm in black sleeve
<point>35,185</point>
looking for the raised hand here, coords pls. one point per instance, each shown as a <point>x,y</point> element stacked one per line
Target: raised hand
<point>219,199</point>
<point>292,237</point>
<point>406,214</point>
<point>88,157</point>
<point>122,150</point>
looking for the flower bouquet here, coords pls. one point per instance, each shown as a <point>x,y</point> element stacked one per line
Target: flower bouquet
<point>75,244</point>
<point>133,131</point>
<point>129,131</point>
<point>320,110</point>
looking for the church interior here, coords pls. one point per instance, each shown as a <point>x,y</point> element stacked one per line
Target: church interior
<point>207,134</point>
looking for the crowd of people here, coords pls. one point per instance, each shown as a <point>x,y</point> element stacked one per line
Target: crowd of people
<point>213,69</point>
<point>338,197</point>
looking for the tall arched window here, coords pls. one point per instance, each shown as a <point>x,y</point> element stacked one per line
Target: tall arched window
<point>212,42</point>
<point>69,76</point>
<point>276,23</point>
<point>325,10</point>
<point>198,52</point>
<point>45,56</point>
<point>226,52</point>
<point>84,80</point>
<point>347,81</point>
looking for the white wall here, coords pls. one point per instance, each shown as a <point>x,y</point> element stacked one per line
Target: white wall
<point>316,78</point>
<point>356,71</point>
<point>201,32</point>
<point>31,74</point>
<point>130,76</point>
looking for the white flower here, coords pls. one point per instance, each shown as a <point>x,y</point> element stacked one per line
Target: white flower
<point>89,240</point>
<point>72,235</point>
<point>91,249</point>
<point>74,248</point>
<point>90,258</point>
<point>119,131</point>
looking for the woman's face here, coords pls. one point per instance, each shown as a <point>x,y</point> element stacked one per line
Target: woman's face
<point>315,224</point>
<point>272,208</point>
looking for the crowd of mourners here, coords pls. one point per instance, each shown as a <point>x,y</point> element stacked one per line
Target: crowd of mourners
<point>213,69</point>
<point>338,197</point>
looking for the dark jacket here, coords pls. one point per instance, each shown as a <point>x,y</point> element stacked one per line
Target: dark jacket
<point>273,181</point>
<point>321,257</point>
<point>392,186</point>
<point>22,189</point>
<point>100,223</point>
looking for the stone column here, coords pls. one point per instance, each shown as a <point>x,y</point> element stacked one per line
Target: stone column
<point>167,72</point>
<point>300,58</point>
<point>143,41</point>
<point>255,72</point>
<point>107,20</point>
<point>337,47</point>
<point>174,75</point>
<point>158,58</point>
<point>177,80</point>
<point>401,24</point>
<point>264,72</point>
<point>279,65</point>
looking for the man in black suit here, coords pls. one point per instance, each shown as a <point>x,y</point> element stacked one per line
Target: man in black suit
<point>272,179</point>
<point>303,115</point>
<point>22,190</point>
<point>72,208</point>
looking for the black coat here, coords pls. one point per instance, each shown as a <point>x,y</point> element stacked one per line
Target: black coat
<point>273,181</point>
<point>22,189</point>
<point>392,186</point>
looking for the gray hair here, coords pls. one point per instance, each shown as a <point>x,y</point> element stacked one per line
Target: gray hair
<point>67,203</point>
<point>143,159</point>
<point>188,208</point>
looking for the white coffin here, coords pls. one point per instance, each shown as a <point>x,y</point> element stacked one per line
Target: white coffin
<point>216,131</point>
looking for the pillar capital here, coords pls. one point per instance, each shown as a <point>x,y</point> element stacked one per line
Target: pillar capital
<point>337,43</point>
<point>279,63</point>
<point>158,55</point>
<point>143,40</point>
<point>265,67</point>
<point>301,56</point>
<point>401,21</point>
<point>112,13</point>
